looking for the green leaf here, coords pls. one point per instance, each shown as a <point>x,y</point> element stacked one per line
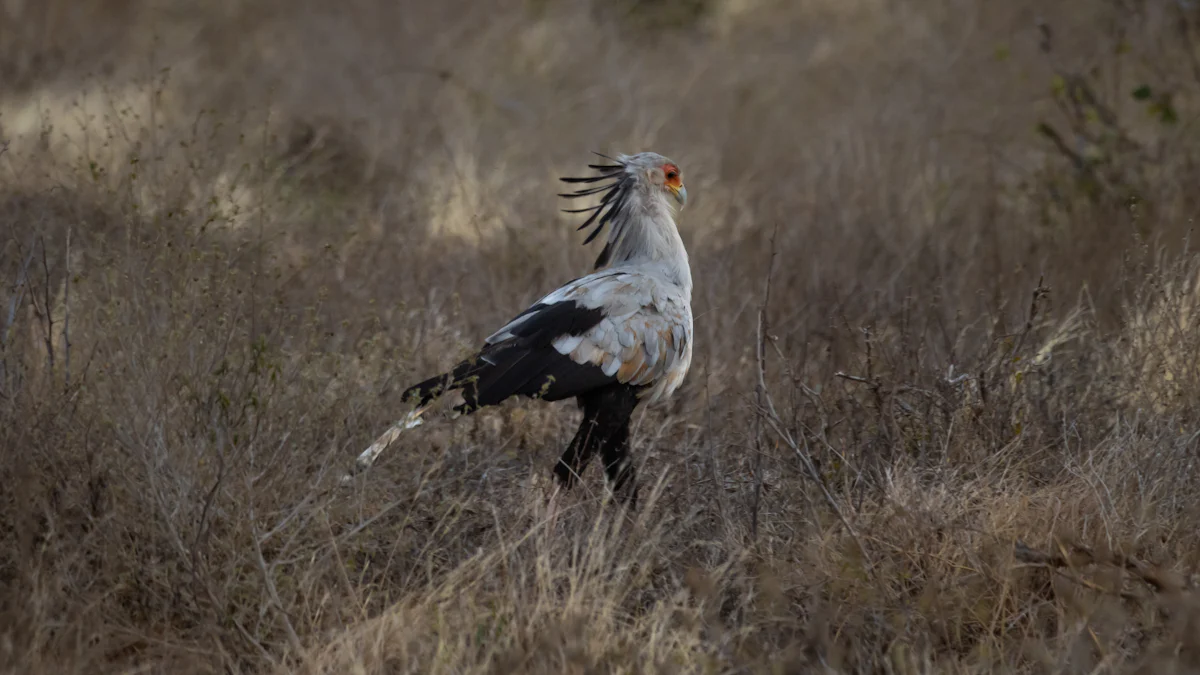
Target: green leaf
<point>1142,93</point>
<point>1163,110</point>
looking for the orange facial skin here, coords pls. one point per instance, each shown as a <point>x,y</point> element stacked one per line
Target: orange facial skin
<point>672,176</point>
<point>673,183</point>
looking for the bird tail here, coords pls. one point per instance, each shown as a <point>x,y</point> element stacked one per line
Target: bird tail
<point>503,371</point>
<point>487,379</point>
<point>423,394</point>
<point>462,376</point>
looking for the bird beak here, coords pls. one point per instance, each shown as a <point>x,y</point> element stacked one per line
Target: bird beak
<point>680,195</point>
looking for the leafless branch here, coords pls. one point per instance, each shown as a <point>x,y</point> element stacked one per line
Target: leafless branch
<point>67,315</point>
<point>760,390</point>
<point>1075,556</point>
<point>49,312</point>
<point>767,412</point>
<point>18,294</point>
<point>1039,292</point>
<point>713,465</point>
<point>268,581</point>
<point>852,378</point>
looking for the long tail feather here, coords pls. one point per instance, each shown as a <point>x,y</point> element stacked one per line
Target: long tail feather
<point>373,451</point>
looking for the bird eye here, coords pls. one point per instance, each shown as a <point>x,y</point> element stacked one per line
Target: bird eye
<point>672,175</point>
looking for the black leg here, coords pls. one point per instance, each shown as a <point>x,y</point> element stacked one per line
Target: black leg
<point>618,467</point>
<point>605,428</point>
<point>577,455</point>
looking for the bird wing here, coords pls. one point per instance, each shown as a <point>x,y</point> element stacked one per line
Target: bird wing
<point>558,312</point>
<point>630,326</point>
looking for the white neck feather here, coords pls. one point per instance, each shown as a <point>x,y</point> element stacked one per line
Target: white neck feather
<point>648,236</point>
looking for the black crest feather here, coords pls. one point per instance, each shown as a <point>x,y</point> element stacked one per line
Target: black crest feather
<point>613,197</point>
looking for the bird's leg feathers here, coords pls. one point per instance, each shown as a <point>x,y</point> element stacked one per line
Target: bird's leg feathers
<point>618,465</point>
<point>607,414</point>
<point>579,453</point>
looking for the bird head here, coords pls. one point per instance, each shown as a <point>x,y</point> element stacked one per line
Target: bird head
<point>658,172</point>
<point>631,188</point>
<point>626,179</point>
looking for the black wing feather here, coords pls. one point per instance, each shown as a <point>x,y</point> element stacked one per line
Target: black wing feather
<point>526,364</point>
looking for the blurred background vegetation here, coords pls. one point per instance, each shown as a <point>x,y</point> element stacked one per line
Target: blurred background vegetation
<point>231,231</point>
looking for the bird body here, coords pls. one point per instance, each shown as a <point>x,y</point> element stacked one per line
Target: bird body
<point>612,339</point>
<point>640,335</point>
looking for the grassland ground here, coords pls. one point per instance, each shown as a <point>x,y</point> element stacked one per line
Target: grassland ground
<point>958,434</point>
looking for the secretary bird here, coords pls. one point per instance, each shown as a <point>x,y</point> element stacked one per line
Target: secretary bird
<point>611,339</point>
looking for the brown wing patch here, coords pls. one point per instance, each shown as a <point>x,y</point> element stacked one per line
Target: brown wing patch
<point>632,366</point>
<point>627,353</point>
<point>643,375</point>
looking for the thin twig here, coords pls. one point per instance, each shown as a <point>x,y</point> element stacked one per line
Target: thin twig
<point>811,470</point>
<point>768,412</point>
<point>1039,292</point>
<point>150,450</point>
<point>852,378</point>
<point>67,316</point>
<point>713,467</point>
<point>18,295</point>
<point>760,390</point>
<point>272,591</point>
<point>1074,556</point>
<point>49,313</point>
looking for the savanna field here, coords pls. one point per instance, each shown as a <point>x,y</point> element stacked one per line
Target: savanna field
<point>943,414</point>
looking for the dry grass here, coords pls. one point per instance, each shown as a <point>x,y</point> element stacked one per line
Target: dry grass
<point>967,442</point>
